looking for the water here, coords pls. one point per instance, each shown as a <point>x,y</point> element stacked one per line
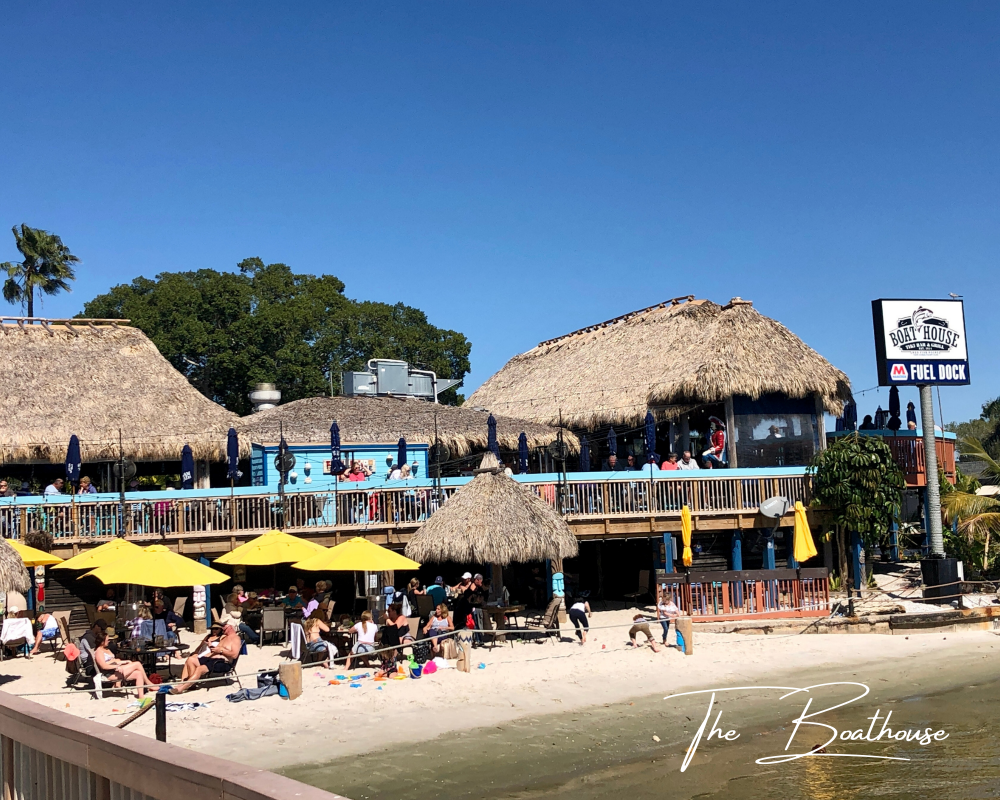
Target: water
<point>610,751</point>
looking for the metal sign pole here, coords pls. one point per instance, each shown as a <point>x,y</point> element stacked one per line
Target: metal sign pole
<point>931,471</point>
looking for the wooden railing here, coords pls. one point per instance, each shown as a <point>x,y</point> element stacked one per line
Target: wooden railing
<point>47,754</point>
<point>908,452</point>
<point>359,507</point>
<point>754,594</point>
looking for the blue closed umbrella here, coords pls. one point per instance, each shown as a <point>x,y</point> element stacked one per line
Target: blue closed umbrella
<point>187,468</point>
<point>612,443</point>
<point>839,425</point>
<point>491,437</point>
<point>401,452</point>
<point>650,438</point>
<point>851,416</point>
<point>73,460</point>
<point>336,464</point>
<point>233,456</point>
<point>894,401</point>
<point>880,419</point>
<point>522,454</point>
<point>584,455</point>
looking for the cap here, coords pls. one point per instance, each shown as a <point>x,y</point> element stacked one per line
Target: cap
<point>293,588</point>
<point>466,576</point>
<point>13,610</point>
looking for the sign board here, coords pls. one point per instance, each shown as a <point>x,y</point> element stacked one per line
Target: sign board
<point>920,342</point>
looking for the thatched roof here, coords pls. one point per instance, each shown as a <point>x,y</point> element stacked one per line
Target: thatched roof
<point>92,379</point>
<point>385,419</point>
<point>666,358</point>
<point>13,573</point>
<point>493,519</point>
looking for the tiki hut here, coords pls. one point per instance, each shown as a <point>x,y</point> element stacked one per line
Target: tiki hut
<point>13,573</point>
<point>95,378</point>
<point>673,359</point>
<point>385,419</point>
<point>493,519</point>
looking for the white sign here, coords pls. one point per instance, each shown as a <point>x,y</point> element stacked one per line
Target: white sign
<point>920,342</point>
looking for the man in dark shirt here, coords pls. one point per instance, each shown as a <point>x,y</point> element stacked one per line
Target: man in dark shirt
<point>161,612</point>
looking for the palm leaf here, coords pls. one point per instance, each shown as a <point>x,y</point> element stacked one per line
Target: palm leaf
<point>973,448</point>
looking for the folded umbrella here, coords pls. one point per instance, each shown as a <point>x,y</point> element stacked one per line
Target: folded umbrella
<point>686,557</point>
<point>804,547</point>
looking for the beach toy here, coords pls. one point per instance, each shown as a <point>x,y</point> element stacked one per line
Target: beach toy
<point>355,685</point>
<point>380,688</point>
<point>341,677</point>
<point>399,677</point>
<point>416,671</point>
<point>71,651</point>
<point>604,647</point>
<point>680,640</point>
<point>430,668</point>
<point>335,682</point>
<point>482,665</point>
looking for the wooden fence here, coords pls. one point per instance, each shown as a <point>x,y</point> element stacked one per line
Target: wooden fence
<point>152,515</point>
<point>47,754</point>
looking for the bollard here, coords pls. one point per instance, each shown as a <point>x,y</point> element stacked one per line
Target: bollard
<point>291,676</point>
<point>686,629</point>
<point>161,716</point>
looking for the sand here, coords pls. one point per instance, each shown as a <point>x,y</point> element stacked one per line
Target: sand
<point>329,722</point>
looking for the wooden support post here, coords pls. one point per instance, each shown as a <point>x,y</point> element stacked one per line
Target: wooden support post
<point>291,676</point>
<point>9,786</point>
<point>731,434</point>
<point>685,627</point>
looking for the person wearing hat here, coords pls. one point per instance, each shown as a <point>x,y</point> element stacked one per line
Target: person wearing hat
<point>292,600</point>
<point>462,607</point>
<point>437,592</point>
<point>214,656</point>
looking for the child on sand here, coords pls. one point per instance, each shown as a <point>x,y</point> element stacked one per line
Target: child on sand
<point>641,625</point>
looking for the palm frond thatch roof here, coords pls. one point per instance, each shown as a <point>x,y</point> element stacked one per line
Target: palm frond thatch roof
<point>92,379</point>
<point>667,358</point>
<point>493,519</point>
<point>13,573</point>
<point>386,419</point>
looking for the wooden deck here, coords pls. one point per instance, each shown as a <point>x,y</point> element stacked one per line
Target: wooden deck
<point>213,521</point>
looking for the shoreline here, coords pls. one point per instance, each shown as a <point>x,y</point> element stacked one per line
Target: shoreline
<point>525,681</point>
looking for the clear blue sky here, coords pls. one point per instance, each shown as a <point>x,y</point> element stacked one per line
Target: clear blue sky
<point>519,170</point>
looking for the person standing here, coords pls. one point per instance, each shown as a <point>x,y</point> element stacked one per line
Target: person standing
<point>578,613</point>
<point>666,610</point>
<point>717,444</point>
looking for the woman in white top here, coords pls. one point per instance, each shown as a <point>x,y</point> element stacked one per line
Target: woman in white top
<point>666,610</point>
<point>578,613</point>
<point>366,630</point>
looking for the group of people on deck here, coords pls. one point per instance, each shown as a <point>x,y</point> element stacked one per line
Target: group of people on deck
<point>714,457</point>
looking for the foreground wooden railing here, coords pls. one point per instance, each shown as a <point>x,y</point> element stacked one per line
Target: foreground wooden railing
<point>360,507</point>
<point>50,755</point>
<point>750,594</point>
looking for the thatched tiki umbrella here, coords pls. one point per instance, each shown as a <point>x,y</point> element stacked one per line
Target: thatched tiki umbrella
<point>495,520</point>
<point>13,573</point>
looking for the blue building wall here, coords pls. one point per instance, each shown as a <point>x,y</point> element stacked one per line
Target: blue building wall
<point>312,463</point>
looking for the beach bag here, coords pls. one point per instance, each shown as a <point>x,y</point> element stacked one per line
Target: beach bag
<point>422,651</point>
<point>448,649</point>
<point>462,665</point>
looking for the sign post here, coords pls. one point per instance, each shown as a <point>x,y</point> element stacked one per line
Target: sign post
<point>922,343</point>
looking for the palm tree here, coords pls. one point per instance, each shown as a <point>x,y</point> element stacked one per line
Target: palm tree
<point>978,515</point>
<point>47,267</point>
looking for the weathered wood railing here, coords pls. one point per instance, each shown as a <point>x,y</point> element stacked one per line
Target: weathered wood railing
<point>357,507</point>
<point>908,452</point>
<point>47,754</point>
<point>753,594</point>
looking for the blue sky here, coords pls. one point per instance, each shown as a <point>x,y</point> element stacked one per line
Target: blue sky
<point>520,170</point>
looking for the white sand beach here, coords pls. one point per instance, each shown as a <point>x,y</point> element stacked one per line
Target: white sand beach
<point>518,681</point>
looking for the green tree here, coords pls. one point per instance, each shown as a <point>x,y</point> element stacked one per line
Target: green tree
<point>47,267</point>
<point>985,430</point>
<point>978,515</point>
<point>227,331</point>
<point>859,482</point>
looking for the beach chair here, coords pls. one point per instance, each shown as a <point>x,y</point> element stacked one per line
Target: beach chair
<point>215,615</point>
<point>62,620</point>
<point>91,614</point>
<point>425,606</point>
<point>229,676</point>
<point>272,620</point>
<point>643,588</point>
<point>180,605</point>
<point>15,635</point>
<point>99,682</point>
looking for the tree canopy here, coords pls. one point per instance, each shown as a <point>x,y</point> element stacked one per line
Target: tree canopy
<point>985,430</point>
<point>47,267</point>
<point>227,331</point>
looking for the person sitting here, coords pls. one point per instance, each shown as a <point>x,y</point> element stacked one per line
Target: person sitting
<point>436,591</point>
<point>217,660</point>
<point>240,593</point>
<point>437,626</point>
<point>867,424</point>
<point>162,612</point>
<point>670,463</point>
<point>641,625</point>
<point>356,474</point>
<point>309,602</point>
<point>122,671</point>
<point>107,603</point>
<point>232,614</point>
<point>292,599</point>
<point>142,614</point>
<point>314,629</point>
<point>86,487</point>
<point>687,462</point>
<point>366,630</point>
<point>47,629</point>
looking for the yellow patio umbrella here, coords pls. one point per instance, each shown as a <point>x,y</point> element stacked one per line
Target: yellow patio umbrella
<point>357,554</point>
<point>32,557</point>
<point>158,565</point>
<point>115,550</point>
<point>804,546</point>
<point>273,547</point>
<point>686,535</point>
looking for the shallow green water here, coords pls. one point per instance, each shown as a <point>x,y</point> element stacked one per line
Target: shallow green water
<point>610,751</point>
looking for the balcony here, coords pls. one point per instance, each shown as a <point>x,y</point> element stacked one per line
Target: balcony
<point>908,451</point>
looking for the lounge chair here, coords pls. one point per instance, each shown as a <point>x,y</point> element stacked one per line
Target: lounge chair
<point>272,620</point>
<point>180,605</point>
<point>643,589</point>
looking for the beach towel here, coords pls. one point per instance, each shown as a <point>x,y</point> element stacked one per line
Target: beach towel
<point>267,684</point>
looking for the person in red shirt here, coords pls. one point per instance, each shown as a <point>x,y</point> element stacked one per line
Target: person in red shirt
<point>716,452</point>
<point>671,462</point>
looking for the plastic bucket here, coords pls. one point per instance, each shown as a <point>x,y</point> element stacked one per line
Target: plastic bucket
<point>416,671</point>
